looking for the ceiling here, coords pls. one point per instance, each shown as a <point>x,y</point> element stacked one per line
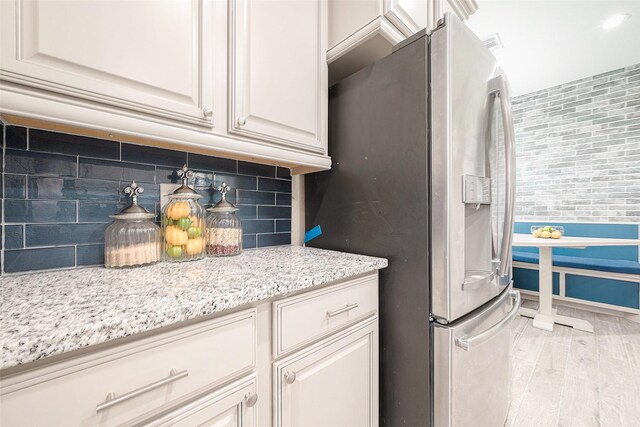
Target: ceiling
<point>550,42</point>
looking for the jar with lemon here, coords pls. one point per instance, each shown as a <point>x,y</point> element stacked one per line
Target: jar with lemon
<point>183,222</point>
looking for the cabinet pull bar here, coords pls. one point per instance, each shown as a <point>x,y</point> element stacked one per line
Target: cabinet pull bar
<point>113,400</point>
<point>342,310</point>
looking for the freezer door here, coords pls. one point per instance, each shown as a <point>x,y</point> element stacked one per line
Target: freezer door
<point>472,366</point>
<point>472,173</point>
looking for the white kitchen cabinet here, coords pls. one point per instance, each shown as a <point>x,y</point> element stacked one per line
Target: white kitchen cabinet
<point>363,31</point>
<point>409,16</point>
<point>355,22</point>
<point>154,58</point>
<point>334,383</point>
<point>461,8</point>
<point>362,25</point>
<point>221,371</point>
<point>232,406</point>
<point>148,375</point>
<point>278,86</point>
<point>242,79</point>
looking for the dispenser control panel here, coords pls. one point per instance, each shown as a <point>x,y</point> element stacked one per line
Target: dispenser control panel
<point>476,190</point>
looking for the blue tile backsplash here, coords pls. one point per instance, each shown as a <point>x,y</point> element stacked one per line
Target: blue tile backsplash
<point>59,191</point>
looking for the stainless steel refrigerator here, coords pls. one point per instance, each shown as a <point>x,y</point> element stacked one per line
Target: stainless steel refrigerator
<point>423,174</point>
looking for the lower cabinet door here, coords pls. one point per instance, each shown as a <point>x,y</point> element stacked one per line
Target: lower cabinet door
<point>333,383</point>
<point>230,406</point>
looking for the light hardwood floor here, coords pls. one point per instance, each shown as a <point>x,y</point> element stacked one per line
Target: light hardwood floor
<point>571,378</point>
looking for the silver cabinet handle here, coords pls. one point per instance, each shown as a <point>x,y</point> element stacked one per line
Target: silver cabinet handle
<point>290,377</point>
<point>250,399</point>
<point>500,89</point>
<point>113,400</point>
<point>342,310</point>
<point>207,112</point>
<point>242,121</point>
<point>466,342</point>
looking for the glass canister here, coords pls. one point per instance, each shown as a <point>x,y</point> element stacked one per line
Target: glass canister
<point>133,239</point>
<point>224,229</point>
<point>183,223</point>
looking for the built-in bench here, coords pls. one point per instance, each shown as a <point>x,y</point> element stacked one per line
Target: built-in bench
<point>603,277</point>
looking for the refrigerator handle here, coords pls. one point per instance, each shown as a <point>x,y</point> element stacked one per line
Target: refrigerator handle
<point>467,342</point>
<point>500,88</point>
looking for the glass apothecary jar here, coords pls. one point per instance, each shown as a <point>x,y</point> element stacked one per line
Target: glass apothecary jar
<point>183,223</point>
<point>133,239</point>
<point>224,229</point>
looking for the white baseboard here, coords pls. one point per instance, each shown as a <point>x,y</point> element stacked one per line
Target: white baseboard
<point>634,317</point>
<point>597,307</point>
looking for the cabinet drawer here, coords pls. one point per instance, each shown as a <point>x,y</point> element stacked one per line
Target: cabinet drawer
<point>301,319</point>
<point>200,356</point>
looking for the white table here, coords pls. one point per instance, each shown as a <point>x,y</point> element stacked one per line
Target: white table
<point>545,317</point>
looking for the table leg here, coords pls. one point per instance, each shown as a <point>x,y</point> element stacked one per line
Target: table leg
<point>544,318</point>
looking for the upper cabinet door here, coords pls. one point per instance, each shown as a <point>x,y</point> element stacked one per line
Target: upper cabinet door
<point>278,74</point>
<point>153,57</point>
<point>409,16</point>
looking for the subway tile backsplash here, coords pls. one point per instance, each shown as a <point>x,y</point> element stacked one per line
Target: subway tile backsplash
<point>59,191</point>
<point>578,150</point>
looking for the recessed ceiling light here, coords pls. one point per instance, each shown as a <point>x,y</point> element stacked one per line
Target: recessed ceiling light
<point>615,20</point>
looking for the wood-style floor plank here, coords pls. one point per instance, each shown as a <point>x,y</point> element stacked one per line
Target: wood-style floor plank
<point>556,348</point>
<point>633,356</point>
<point>579,406</point>
<point>572,378</point>
<point>517,328</point>
<point>614,382</point>
<point>521,375</point>
<point>541,401</point>
<point>530,343</point>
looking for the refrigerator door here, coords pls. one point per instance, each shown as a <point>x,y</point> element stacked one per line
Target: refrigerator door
<point>472,173</point>
<point>472,366</point>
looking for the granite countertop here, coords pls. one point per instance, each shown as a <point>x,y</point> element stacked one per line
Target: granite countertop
<point>44,314</point>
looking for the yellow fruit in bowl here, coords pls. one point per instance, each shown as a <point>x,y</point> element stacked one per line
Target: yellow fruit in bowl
<point>537,233</point>
<point>174,236</point>
<point>195,221</point>
<point>178,210</point>
<point>194,246</point>
<point>545,234</point>
<point>556,235</point>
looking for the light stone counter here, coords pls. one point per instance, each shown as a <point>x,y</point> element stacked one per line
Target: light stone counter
<point>49,313</point>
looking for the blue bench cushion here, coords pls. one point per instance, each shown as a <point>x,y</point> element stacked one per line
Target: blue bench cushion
<point>598,264</point>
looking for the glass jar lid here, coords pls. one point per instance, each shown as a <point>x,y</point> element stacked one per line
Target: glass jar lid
<point>184,191</point>
<point>134,210</point>
<point>223,206</point>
